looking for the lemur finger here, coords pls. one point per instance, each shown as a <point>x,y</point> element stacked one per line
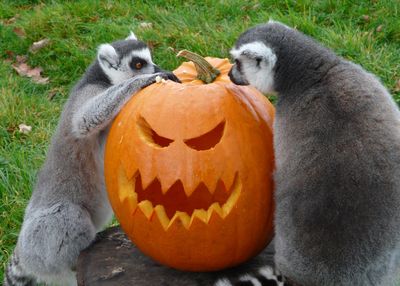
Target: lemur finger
<point>173,77</point>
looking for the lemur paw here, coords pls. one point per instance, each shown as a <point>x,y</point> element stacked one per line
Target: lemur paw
<point>149,79</point>
<point>171,76</point>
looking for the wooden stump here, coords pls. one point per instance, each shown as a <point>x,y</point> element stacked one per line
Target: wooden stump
<point>113,260</point>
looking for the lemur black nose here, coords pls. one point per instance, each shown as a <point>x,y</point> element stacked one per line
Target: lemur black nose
<point>236,77</point>
<point>230,75</point>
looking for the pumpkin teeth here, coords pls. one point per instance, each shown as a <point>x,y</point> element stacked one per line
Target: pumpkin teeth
<point>199,214</point>
<point>162,216</point>
<point>235,193</point>
<point>182,217</point>
<point>166,186</point>
<point>215,207</point>
<point>212,186</point>
<point>228,179</point>
<point>146,207</point>
<point>147,179</point>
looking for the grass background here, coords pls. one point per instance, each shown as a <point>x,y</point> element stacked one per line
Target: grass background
<point>210,27</point>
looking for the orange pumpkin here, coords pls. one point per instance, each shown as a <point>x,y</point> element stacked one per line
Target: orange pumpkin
<point>188,169</point>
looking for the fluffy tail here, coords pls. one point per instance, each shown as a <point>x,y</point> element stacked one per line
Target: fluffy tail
<point>14,274</point>
<point>264,276</point>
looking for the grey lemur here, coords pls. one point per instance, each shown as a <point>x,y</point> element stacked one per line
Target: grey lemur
<point>69,203</point>
<point>337,150</point>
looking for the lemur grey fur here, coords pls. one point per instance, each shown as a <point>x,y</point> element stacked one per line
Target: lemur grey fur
<point>337,151</point>
<point>69,203</point>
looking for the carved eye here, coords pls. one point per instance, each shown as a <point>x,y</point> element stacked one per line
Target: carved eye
<point>207,140</point>
<point>150,136</point>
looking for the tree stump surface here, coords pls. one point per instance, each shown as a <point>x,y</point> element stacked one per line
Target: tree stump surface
<point>113,259</point>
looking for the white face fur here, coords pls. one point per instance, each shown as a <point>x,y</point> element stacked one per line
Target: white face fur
<point>254,65</point>
<point>120,69</point>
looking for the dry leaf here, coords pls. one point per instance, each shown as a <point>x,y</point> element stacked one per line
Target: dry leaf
<point>53,92</point>
<point>39,45</point>
<point>146,25</point>
<point>25,129</point>
<point>11,20</point>
<point>21,59</point>
<point>94,19</point>
<point>152,44</point>
<point>24,69</point>
<point>397,86</point>
<point>10,54</point>
<point>20,32</point>
<point>379,28</point>
<point>366,18</point>
<point>10,57</point>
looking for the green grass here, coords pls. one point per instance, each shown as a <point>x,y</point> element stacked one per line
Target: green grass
<point>76,28</point>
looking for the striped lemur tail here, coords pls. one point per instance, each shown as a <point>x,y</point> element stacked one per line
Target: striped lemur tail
<point>264,276</point>
<point>14,275</point>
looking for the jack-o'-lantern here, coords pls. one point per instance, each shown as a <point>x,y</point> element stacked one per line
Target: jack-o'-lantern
<point>188,169</point>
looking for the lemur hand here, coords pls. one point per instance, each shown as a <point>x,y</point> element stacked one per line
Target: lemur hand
<point>171,76</point>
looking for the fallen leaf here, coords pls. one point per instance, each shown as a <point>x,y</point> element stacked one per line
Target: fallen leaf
<point>24,69</point>
<point>397,86</point>
<point>25,129</point>
<point>146,25</point>
<point>379,28</point>
<point>39,45</point>
<point>10,54</point>
<point>152,44</point>
<point>52,93</point>
<point>20,32</point>
<point>11,20</point>
<point>366,18</point>
<point>94,19</point>
<point>21,59</point>
<point>10,57</point>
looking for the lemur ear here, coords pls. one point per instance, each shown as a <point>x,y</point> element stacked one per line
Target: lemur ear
<point>108,56</point>
<point>131,36</point>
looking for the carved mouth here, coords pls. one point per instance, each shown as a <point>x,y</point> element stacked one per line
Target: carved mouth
<point>175,204</point>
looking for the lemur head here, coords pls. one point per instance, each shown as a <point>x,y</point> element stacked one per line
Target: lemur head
<point>124,59</point>
<point>276,58</point>
<point>255,56</point>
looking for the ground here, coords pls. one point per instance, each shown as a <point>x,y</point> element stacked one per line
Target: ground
<point>366,32</point>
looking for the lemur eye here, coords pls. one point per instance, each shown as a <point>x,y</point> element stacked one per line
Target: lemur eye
<point>137,63</point>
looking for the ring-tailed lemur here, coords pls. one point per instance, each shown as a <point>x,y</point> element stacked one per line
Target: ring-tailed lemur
<point>69,203</point>
<point>337,150</point>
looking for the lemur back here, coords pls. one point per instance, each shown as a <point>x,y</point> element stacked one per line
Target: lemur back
<point>69,202</point>
<point>337,151</point>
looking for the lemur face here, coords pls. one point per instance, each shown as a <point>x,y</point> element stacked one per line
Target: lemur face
<point>254,64</point>
<point>124,59</point>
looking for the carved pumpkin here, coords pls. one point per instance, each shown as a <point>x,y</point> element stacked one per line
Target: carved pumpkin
<point>188,170</point>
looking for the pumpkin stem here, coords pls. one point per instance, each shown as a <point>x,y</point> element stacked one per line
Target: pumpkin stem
<point>205,71</point>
